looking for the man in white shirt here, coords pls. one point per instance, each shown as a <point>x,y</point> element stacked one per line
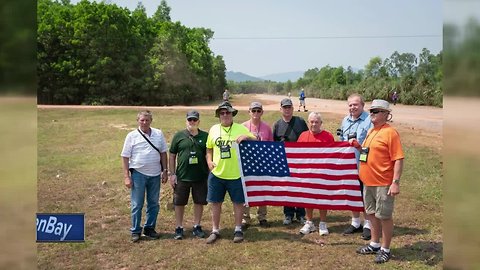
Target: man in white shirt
<point>144,157</point>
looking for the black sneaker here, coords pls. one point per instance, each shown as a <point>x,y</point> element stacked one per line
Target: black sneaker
<point>238,237</point>
<point>382,256</point>
<point>264,223</point>
<point>178,234</point>
<point>367,250</point>
<point>351,229</point>
<point>366,234</point>
<point>198,232</point>
<point>150,233</point>
<point>135,237</point>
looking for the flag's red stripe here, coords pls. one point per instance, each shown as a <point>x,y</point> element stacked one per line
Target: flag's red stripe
<point>308,205</point>
<point>316,144</point>
<point>325,176</point>
<point>304,195</point>
<point>252,183</point>
<point>330,166</point>
<point>321,155</point>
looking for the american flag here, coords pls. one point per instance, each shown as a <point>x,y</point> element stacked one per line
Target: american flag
<point>311,175</point>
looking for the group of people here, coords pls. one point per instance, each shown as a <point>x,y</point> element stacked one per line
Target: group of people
<point>206,165</point>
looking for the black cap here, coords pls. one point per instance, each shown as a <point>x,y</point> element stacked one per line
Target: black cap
<point>286,102</point>
<point>193,114</point>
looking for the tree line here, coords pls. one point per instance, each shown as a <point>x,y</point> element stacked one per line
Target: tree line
<point>99,53</point>
<point>417,80</point>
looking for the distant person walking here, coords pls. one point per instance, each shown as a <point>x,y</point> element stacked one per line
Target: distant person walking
<point>289,95</point>
<point>144,159</point>
<point>263,132</point>
<point>394,98</point>
<point>226,95</point>
<point>189,171</point>
<point>302,100</point>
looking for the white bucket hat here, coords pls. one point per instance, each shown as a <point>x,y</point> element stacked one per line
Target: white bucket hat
<point>380,104</point>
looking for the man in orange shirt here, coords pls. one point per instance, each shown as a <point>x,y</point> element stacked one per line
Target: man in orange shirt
<point>381,166</point>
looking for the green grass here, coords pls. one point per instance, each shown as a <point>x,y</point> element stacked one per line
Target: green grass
<point>79,170</point>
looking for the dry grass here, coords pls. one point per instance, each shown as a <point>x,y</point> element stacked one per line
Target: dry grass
<point>83,148</point>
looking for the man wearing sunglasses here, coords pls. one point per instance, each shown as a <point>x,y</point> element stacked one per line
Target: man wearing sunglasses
<point>263,132</point>
<point>224,169</point>
<point>356,125</point>
<point>381,166</point>
<point>188,172</point>
<point>289,128</point>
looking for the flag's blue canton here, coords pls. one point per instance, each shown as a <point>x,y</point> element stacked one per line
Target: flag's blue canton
<point>263,158</point>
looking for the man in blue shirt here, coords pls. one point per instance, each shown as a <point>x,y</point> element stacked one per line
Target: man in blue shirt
<point>356,125</point>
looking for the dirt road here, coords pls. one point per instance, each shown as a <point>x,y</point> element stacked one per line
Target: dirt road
<point>423,123</point>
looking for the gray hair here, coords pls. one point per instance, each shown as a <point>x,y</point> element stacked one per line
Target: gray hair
<point>145,113</point>
<point>316,115</point>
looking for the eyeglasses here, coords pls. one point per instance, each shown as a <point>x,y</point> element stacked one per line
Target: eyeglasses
<point>256,111</point>
<point>376,111</point>
<point>192,119</point>
<point>225,113</point>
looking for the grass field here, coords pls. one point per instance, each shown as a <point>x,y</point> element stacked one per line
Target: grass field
<point>79,170</point>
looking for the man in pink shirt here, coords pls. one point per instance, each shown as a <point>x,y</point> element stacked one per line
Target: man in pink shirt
<point>263,132</point>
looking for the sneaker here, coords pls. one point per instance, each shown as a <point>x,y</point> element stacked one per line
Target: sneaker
<point>351,229</point>
<point>366,234</point>
<point>302,220</point>
<point>264,223</point>
<point>150,233</point>
<point>198,232</point>
<point>382,256</point>
<point>322,228</point>
<point>213,237</point>
<point>298,110</point>
<point>287,221</point>
<point>178,234</point>
<point>238,237</point>
<point>309,227</point>
<point>135,237</point>
<point>367,249</point>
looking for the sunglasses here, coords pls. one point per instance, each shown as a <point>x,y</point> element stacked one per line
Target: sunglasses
<point>256,111</point>
<point>192,119</point>
<point>375,111</point>
<point>225,113</point>
<point>287,107</point>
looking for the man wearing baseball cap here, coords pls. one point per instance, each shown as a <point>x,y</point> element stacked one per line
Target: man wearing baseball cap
<point>381,165</point>
<point>263,132</point>
<point>189,171</point>
<point>289,128</point>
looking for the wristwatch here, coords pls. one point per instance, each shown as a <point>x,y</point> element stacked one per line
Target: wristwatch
<point>396,181</point>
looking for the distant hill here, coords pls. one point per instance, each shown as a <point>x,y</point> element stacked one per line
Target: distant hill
<point>241,77</point>
<point>284,77</point>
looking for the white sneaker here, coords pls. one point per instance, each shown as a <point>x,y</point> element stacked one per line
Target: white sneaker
<point>322,228</point>
<point>287,221</point>
<point>308,228</point>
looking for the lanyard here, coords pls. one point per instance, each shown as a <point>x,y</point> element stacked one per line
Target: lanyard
<point>373,136</point>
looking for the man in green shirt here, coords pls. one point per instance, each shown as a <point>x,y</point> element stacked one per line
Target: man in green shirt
<point>189,171</point>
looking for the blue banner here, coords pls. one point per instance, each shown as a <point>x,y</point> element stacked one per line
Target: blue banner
<point>60,227</point>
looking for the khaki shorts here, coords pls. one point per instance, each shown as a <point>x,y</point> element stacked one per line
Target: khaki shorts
<point>378,202</point>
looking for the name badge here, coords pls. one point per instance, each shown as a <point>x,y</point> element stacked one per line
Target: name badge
<point>363,154</point>
<point>225,152</point>
<point>193,159</point>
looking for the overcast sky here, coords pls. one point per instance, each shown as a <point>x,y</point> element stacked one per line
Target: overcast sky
<point>262,37</point>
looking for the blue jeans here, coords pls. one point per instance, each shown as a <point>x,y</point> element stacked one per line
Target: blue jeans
<point>291,211</point>
<point>141,184</point>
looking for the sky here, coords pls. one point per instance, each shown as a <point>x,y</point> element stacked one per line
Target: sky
<point>263,37</point>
